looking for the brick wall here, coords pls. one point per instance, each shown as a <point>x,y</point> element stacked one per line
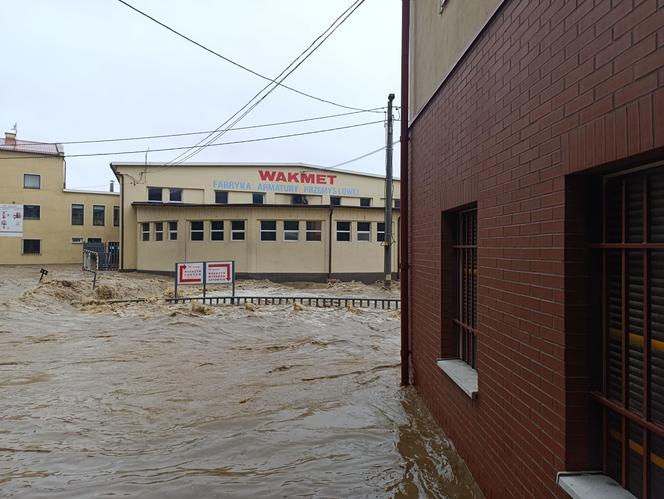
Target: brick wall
<point>551,88</point>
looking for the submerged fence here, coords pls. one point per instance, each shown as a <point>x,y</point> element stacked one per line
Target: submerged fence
<point>312,301</point>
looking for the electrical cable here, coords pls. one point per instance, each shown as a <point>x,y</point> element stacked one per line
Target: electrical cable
<point>308,51</point>
<point>142,151</point>
<point>234,63</point>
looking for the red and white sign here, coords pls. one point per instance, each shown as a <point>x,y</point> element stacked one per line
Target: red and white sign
<point>189,273</point>
<point>219,273</point>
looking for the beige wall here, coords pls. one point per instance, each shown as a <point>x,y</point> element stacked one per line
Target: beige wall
<point>54,227</point>
<point>251,255</point>
<point>439,39</point>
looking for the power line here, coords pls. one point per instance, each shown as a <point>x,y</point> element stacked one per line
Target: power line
<point>281,77</point>
<point>186,134</point>
<point>234,63</point>
<point>245,141</point>
<point>366,155</point>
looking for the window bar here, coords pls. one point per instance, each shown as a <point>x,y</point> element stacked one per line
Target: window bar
<point>646,343</point>
<point>625,337</point>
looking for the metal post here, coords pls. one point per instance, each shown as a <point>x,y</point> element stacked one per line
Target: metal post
<point>388,195</point>
<point>176,281</point>
<point>204,280</point>
<point>233,264</point>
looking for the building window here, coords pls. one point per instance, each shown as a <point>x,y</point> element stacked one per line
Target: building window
<point>299,199</point>
<point>116,216</point>
<point>380,232</point>
<point>98,214</point>
<point>258,198</point>
<point>217,230</point>
<point>465,291</point>
<point>175,195</point>
<point>172,231</point>
<point>365,202</point>
<point>145,230</point>
<point>335,201</point>
<point>237,230</point>
<point>159,231</point>
<point>31,182</point>
<point>96,240</point>
<point>154,194</point>
<point>291,230</point>
<point>397,203</point>
<point>77,240</point>
<point>77,214</point>
<point>221,197</point>
<point>364,231</point>
<point>197,230</point>
<point>31,246</point>
<point>631,351</point>
<point>31,212</point>
<point>343,231</point>
<point>268,230</point>
<point>314,230</point>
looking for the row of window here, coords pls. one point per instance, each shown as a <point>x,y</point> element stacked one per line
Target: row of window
<point>33,212</point>
<point>33,246</point>
<point>161,231</point>
<point>156,194</point>
<point>98,215</point>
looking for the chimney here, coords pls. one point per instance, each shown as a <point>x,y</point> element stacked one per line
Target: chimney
<point>112,186</point>
<point>10,136</point>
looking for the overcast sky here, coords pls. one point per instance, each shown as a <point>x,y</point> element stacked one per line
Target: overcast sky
<point>82,69</point>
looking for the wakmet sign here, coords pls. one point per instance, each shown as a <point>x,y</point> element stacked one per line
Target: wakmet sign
<point>290,183</point>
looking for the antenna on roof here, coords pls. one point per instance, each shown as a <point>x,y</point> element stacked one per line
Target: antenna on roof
<point>15,128</point>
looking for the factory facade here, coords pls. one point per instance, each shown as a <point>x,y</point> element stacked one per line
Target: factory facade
<point>536,268</point>
<point>41,221</point>
<point>276,221</point>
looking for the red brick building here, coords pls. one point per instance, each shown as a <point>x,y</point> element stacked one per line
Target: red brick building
<point>535,180</point>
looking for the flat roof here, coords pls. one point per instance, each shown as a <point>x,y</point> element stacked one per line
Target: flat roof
<point>115,164</point>
<point>78,191</point>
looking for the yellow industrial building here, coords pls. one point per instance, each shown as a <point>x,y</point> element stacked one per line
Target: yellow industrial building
<point>276,221</point>
<point>41,221</point>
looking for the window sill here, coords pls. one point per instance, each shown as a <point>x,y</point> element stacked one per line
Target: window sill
<point>591,485</point>
<point>462,374</point>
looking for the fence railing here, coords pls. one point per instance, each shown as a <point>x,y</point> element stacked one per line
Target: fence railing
<point>312,301</point>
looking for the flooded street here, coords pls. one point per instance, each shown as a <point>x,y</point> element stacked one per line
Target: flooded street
<point>155,400</point>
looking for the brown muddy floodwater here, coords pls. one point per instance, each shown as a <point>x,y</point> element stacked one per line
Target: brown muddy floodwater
<point>155,400</point>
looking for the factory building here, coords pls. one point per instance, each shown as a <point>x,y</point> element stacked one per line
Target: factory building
<point>41,221</point>
<point>276,221</point>
<point>536,267</point>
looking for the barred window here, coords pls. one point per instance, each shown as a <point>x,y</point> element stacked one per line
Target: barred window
<point>631,395</point>
<point>98,214</point>
<point>465,318</point>
<point>31,212</point>
<point>77,214</point>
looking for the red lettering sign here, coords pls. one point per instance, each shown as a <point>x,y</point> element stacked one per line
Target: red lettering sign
<point>296,177</point>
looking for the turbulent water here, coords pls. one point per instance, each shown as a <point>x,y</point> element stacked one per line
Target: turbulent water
<point>154,400</point>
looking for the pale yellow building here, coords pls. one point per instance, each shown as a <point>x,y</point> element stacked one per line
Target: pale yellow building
<point>41,221</point>
<point>276,221</point>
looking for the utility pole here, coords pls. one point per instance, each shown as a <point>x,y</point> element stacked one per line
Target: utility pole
<point>388,195</point>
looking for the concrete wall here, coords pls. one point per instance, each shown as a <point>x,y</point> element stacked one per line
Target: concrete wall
<point>552,88</point>
<point>54,227</point>
<point>439,39</point>
<point>252,255</point>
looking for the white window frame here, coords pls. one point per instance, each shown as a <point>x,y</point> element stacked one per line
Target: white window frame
<point>379,232</point>
<point>77,240</point>
<point>318,231</point>
<point>238,231</point>
<point>158,232</point>
<point>172,231</point>
<point>268,231</point>
<point>217,231</point>
<point>361,234</point>
<point>197,231</point>
<point>349,231</point>
<point>144,231</point>
<point>292,232</point>
<point>32,175</point>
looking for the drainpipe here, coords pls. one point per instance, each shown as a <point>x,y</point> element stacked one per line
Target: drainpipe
<point>329,246</point>
<point>404,264</point>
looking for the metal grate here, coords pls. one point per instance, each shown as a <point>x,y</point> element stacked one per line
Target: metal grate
<point>465,320</point>
<point>632,395</point>
<point>382,303</point>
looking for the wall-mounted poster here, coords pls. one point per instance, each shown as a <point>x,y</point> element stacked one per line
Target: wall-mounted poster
<point>11,220</point>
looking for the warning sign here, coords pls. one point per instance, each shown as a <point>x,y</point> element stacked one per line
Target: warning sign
<point>189,273</point>
<point>219,273</point>
<point>11,220</point>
